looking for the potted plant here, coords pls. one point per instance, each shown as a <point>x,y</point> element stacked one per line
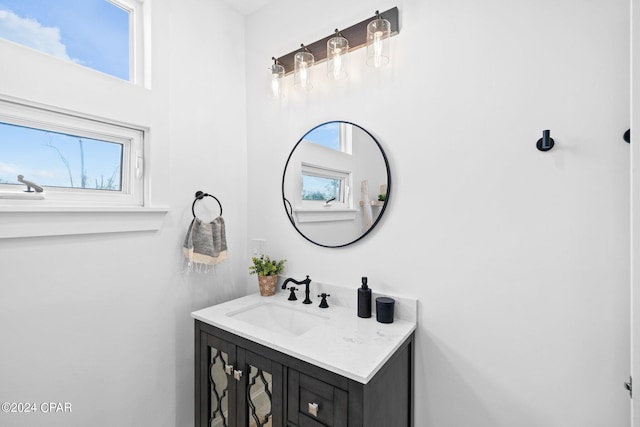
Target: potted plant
<point>267,271</point>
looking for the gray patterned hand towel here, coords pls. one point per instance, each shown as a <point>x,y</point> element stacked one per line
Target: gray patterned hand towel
<point>206,243</point>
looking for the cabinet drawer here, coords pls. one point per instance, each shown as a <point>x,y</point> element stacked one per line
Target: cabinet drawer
<point>315,403</point>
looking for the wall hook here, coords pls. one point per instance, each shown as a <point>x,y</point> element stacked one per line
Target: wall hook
<point>627,136</point>
<point>545,143</point>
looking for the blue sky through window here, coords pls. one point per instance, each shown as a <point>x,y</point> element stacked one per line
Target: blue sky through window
<point>93,33</point>
<point>327,135</point>
<point>58,159</point>
<point>319,188</point>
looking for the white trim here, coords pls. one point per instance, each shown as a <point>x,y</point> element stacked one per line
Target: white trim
<point>17,222</point>
<point>346,138</point>
<point>325,214</point>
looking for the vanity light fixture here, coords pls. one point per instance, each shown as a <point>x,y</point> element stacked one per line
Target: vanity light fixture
<point>374,33</point>
<point>303,63</point>
<point>378,33</point>
<point>277,76</point>
<point>337,49</point>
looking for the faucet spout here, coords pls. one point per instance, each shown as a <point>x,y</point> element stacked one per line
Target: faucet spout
<point>304,282</point>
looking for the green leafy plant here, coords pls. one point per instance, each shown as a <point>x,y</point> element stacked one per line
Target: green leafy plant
<point>265,266</point>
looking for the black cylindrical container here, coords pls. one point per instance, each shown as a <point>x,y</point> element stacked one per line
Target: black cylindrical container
<point>364,299</point>
<point>384,309</point>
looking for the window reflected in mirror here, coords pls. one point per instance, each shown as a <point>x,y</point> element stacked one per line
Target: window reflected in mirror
<point>334,135</point>
<point>336,184</point>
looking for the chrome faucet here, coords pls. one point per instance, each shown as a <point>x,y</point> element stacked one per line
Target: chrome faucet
<point>304,282</point>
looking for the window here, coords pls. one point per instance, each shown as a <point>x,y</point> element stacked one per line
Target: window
<point>77,160</point>
<point>320,188</point>
<point>320,184</point>
<point>104,35</point>
<point>334,135</point>
<point>59,159</point>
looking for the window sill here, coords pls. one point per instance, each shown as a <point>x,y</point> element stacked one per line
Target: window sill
<point>325,214</point>
<point>37,221</point>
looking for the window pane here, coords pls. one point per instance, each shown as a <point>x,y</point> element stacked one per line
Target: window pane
<point>327,135</point>
<point>93,33</point>
<point>319,188</point>
<point>58,159</point>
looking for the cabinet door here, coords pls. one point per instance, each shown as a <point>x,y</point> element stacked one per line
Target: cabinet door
<point>261,391</point>
<point>215,387</point>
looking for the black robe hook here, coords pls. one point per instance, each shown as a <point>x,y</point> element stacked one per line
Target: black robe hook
<point>545,143</point>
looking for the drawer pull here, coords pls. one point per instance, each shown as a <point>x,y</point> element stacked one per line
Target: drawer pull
<point>313,409</point>
<point>237,375</point>
<point>228,369</point>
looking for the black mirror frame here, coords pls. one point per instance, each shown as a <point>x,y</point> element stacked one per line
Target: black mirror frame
<point>286,202</point>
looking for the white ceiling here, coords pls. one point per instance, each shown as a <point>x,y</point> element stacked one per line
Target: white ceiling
<point>247,7</point>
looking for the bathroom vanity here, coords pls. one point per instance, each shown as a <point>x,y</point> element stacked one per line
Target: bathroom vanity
<point>266,361</point>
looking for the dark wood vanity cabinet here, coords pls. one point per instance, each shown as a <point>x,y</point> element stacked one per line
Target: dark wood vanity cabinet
<point>240,383</point>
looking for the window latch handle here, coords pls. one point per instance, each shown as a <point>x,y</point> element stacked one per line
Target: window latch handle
<point>31,186</point>
<point>139,167</point>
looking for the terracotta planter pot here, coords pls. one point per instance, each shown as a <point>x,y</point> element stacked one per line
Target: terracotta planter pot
<point>267,285</point>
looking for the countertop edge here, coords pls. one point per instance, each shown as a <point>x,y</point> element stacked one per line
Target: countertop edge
<point>400,331</point>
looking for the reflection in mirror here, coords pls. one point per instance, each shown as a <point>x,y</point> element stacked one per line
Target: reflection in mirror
<point>336,184</point>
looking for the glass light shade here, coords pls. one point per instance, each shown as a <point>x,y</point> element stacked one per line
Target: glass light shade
<point>378,34</point>
<point>277,81</point>
<point>337,49</point>
<point>302,67</point>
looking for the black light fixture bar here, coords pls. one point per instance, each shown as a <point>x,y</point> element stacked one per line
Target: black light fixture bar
<point>356,34</point>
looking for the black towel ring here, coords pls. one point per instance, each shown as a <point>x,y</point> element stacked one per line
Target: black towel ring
<point>199,196</point>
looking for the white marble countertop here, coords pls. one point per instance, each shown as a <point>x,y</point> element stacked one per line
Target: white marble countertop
<point>341,342</point>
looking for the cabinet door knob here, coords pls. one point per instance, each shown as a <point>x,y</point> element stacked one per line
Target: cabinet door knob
<point>237,375</point>
<point>313,409</point>
<point>228,369</point>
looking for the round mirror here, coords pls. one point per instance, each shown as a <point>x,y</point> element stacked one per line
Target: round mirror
<point>336,184</point>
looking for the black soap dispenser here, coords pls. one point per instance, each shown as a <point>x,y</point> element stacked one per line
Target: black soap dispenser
<point>364,299</point>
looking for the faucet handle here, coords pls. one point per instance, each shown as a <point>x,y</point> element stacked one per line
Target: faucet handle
<point>292,295</point>
<point>323,303</point>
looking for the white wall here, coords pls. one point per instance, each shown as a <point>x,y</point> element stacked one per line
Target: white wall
<point>519,258</point>
<point>635,201</point>
<point>102,321</point>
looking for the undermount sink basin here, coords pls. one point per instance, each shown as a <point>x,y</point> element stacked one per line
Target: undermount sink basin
<point>278,318</point>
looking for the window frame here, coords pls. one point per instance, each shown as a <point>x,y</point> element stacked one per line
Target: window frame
<point>132,193</point>
<point>345,197</point>
<point>139,38</point>
<point>139,43</point>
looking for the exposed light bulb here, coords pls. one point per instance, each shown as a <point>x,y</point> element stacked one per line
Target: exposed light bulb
<point>378,33</point>
<point>377,48</point>
<point>337,49</point>
<point>275,86</point>
<point>304,75</point>
<point>277,79</point>
<point>337,65</point>
<point>303,61</point>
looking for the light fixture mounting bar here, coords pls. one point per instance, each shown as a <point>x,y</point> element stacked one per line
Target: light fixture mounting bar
<point>355,34</point>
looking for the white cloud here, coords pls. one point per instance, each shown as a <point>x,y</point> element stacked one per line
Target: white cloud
<point>30,32</point>
<point>9,169</point>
